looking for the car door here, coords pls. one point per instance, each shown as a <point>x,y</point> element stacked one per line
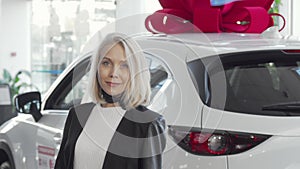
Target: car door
<point>34,142</point>
<point>49,129</point>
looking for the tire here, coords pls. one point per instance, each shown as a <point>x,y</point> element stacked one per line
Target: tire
<point>6,158</point>
<point>5,165</point>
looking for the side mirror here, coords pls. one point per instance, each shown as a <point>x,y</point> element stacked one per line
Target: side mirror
<point>29,103</point>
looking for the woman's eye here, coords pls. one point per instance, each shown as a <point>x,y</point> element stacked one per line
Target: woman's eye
<point>105,63</point>
<point>124,65</point>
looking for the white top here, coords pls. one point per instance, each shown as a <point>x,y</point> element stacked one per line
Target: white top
<point>93,142</point>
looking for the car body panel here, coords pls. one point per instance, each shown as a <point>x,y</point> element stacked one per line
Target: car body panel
<point>26,137</point>
<point>182,93</point>
<point>277,152</point>
<point>33,143</point>
<point>270,125</point>
<point>176,158</point>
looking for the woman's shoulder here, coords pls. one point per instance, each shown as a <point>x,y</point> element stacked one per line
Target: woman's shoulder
<point>83,107</point>
<point>142,122</point>
<point>142,114</point>
<point>82,112</point>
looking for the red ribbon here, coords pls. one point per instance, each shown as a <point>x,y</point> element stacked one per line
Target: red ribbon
<point>178,16</point>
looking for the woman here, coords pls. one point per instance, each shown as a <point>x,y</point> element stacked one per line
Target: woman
<point>116,131</point>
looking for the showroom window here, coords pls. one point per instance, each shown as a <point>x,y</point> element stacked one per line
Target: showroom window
<point>59,29</point>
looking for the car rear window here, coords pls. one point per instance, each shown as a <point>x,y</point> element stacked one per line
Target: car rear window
<point>260,82</point>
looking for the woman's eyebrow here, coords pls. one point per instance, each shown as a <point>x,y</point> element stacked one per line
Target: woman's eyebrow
<point>106,58</point>
<point>123,61</point>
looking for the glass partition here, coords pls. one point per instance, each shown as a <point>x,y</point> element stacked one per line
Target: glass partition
<point>59,29</point>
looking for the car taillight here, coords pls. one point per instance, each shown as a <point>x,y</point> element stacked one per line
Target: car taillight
<point>214,142</point>
<point>292,51</point>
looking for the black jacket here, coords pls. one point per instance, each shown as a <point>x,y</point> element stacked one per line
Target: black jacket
<point>142,153</point>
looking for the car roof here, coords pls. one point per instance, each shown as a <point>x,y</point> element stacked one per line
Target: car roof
<point>214,43</point>
<point>231,42</point>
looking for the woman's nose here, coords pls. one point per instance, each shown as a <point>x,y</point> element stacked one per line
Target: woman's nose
<point>114,73</point>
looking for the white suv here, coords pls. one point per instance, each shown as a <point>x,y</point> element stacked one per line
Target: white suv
<point>231,101</point>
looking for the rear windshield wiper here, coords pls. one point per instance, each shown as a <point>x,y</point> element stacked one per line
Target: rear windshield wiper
<point>288,106</point>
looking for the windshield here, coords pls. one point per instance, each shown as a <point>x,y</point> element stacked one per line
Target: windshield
<point>254,81</point>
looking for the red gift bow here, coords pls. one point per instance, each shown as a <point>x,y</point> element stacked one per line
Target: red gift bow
<point>178,16</point>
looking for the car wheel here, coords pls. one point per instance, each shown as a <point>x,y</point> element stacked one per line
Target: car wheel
<point>5,165</point>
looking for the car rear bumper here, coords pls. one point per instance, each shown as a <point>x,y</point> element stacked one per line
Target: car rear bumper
<point>277,153</point>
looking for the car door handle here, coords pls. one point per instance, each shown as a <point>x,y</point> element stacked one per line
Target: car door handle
<point>57,138</point>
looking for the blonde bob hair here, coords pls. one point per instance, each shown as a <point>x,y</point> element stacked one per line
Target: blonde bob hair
<point>138,91</point>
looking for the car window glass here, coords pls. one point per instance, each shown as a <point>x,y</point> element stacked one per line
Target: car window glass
<point>70,90</point>
<point>158,72</point>
<point>255,80</point>
<point>77,92</point>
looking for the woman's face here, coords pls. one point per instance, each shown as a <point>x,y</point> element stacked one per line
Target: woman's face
<point>114,71</point>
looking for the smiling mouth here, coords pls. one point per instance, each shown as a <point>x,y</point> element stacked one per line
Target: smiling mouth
<point>111,84</point>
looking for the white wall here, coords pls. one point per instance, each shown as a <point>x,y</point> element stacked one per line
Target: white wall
<point>131,14</point>
<point>0,35</point>
<point>289,9</point>
<point>0,11</point>
<point>296,17</point>
<point>285,11</point>
<point>130,7</point>
<point>14,35</point>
